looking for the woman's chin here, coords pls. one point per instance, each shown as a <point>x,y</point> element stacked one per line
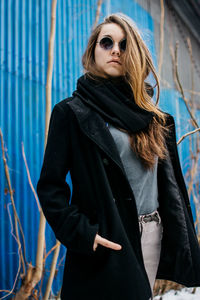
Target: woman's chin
<point>113,73</point>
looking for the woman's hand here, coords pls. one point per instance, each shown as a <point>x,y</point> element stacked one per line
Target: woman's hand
<point>105,243</point>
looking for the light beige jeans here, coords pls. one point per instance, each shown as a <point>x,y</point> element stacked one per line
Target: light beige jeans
<point>151,236</point>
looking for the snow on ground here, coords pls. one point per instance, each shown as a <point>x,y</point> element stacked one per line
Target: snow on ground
<point>184,294</point>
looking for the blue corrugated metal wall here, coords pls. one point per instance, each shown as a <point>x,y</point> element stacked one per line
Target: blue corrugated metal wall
<point>24,31</point>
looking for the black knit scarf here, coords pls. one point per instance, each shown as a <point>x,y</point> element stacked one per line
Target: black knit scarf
<point>113,99</point>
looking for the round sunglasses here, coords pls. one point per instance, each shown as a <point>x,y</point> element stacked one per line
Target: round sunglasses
<point>107,43</point>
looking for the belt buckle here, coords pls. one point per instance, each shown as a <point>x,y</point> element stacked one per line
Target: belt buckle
<point>147,219</point>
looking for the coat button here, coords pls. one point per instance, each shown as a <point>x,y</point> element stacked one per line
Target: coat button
<point>105,161</point>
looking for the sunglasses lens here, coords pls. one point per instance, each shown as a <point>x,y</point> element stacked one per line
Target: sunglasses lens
<point>123,45</point>
<point>106,43</point>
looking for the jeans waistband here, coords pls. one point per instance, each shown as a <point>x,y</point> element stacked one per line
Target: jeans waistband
<point>154,216</point>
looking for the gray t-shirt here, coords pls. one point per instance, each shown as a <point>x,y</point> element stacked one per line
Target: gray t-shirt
<point>142,181</point>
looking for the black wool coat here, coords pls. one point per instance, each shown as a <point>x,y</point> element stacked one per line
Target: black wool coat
<point>102,201</point>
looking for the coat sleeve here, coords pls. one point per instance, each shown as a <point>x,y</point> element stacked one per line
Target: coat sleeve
<point>172,146</point>
<point>71,227</point>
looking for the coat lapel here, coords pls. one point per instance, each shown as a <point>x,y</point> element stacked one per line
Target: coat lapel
<point>95,128</point>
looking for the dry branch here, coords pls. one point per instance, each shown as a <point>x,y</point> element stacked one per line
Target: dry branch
<point>187,134</point>
<point>99,4</point>
<point>29,178</point>
<point>195,124</point>
<point>9,292</point>
<point>27,285</point>
<point>34,274</point>
<point>16,218</point>
<point>48,253</point>
<point>162,286</point>
<point>162,16</point>
<point>41,235</point>
<point>192,66</point>
<point>52,272</point>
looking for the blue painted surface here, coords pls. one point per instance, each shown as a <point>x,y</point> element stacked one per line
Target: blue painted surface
<point>24,31</point>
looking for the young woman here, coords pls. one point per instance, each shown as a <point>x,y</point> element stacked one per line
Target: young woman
<point>129,220</point>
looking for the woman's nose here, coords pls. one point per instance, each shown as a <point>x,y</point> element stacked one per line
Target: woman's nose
<point>115,49</point>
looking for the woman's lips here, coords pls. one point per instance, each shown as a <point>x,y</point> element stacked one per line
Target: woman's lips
<point>114,62</point>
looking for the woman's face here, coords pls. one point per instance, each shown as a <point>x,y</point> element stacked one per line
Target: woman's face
<point>104,57</point>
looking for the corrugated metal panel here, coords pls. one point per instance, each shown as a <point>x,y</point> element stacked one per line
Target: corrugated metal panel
<point>24,29</point>
<point>189,12</point>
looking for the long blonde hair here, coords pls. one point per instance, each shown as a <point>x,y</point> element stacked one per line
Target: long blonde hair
<point>137,65</point>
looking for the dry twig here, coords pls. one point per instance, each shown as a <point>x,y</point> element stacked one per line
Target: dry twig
<point>99,4</point>
<point>187,134</point>
<point>16,218</point>
<point>195,124</point>
<point>52,272</point>
<point>192,68</point>
<point>162,16</point>
<point>19,267</point>
<point>29,178</point>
